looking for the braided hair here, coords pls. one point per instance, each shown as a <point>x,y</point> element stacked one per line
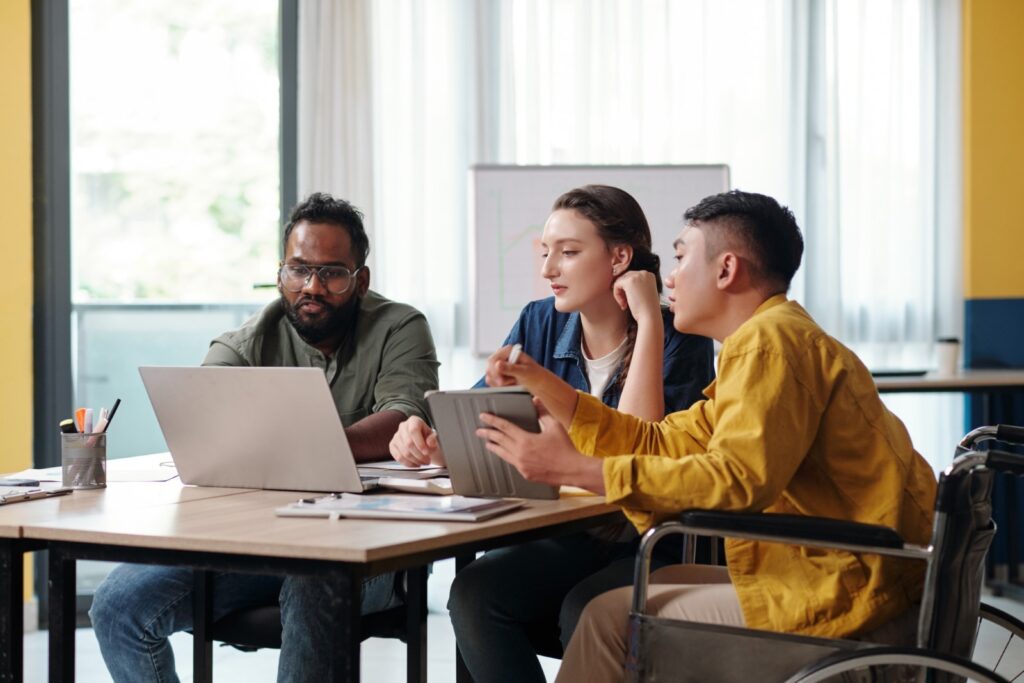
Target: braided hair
<point>619,221</point>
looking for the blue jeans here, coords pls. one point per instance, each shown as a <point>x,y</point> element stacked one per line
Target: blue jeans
<point>138,606</point>
<point>508,602</point>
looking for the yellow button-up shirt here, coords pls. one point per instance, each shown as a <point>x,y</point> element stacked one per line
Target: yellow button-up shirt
<point>793,424</point>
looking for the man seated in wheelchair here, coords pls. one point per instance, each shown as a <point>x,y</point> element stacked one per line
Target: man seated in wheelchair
<point>793,424</point>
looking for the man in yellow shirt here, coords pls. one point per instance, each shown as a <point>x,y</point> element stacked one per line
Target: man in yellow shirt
<point>793,424</point>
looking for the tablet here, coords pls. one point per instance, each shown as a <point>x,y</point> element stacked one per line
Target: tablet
<point>473,469</point>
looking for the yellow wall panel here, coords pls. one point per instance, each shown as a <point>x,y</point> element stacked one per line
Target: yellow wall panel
<point>993,119</point>
<point>16,200</point>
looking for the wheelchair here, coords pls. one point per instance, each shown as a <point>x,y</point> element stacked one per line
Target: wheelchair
<point>951,613</point>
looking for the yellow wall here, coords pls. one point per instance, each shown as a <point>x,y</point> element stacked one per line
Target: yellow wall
<point>16,200</point>
<point>993,119</point>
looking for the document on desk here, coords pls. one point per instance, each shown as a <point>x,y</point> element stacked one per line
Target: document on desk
<point>18,494</point>
<point>446,508</point>
<point>117,471</point>
<point>437,486</point>
<point>391,468</point>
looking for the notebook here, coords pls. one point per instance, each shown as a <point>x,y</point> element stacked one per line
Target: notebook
<point>448,508</point>
<point>258,428</point>
<point>473,469</point>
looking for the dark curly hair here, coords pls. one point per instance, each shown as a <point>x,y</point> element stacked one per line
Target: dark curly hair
<point>321,207</point>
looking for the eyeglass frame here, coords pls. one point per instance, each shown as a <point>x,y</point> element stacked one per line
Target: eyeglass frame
<point>318,272</point>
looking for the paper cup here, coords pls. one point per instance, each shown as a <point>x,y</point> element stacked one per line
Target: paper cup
<point>947,354</point>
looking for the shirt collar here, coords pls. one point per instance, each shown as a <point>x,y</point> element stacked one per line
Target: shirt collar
<point>568,344</point>
<point>771,302</point>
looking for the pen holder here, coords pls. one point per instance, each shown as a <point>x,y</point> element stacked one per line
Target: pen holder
<point>83,460</point>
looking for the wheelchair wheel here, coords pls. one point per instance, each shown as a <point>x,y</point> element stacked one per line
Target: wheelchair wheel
<point>894,665</point>
<point>999,642</point>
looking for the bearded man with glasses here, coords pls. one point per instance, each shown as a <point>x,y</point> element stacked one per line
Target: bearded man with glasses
<point>379,360</point>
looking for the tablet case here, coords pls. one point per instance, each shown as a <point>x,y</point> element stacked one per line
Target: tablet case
<point>473,469</point>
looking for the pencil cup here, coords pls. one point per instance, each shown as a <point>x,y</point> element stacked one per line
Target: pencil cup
<point>83,460</point>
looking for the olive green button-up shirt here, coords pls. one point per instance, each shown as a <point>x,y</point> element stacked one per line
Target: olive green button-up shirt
<point>386,363</point>
<point>794,425</point>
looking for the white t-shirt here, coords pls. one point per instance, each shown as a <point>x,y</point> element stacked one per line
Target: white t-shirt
<point>600,370</point>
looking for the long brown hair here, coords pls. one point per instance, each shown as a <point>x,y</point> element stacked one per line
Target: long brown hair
<point>619,221</point>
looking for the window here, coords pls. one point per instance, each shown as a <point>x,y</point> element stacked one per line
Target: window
<point>174,188</point>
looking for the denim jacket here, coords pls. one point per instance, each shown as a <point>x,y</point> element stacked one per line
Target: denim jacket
<point>553,340</point>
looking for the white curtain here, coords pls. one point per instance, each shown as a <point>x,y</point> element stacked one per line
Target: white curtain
<point>335,135</point>
<point>845,110</point>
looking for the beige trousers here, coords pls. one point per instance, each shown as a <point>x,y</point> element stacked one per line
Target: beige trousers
<point>701,593</point>
<point>597,651</point>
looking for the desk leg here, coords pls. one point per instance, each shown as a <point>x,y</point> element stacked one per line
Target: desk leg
<point>202,616</point>
<point>416,625</point>
<point>462,674</point>
<point>346,602</point>
<point>62,616</point>
<point>12,587</point>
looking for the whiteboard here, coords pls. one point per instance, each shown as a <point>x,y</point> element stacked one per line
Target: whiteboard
<point>508,208</point>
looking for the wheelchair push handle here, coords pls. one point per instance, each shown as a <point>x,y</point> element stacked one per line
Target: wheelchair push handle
<point>1010,433</point>
<point>1006,433</point>
<point>1003,461</point>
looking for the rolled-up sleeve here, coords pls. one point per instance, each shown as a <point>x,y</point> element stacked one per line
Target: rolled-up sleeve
<point>408,368</point>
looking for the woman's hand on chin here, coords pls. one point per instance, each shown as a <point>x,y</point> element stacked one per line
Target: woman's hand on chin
<point>637,292</point>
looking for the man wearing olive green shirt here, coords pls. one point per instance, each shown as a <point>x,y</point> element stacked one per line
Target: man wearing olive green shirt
<point>793,424</point>
<point>379,359</point>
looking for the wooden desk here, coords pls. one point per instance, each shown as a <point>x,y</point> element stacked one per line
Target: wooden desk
<point>963,381</point>
<point>117,499</point>
<point>241,533</point>
<point>983,383</point>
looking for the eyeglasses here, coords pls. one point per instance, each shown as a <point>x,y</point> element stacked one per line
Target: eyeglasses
<point>335,279</point>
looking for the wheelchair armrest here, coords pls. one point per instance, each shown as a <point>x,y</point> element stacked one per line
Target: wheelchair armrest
<point>820,532</point>
<point>794,528</point>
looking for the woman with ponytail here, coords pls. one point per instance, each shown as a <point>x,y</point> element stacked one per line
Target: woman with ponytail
<point>603,331</point>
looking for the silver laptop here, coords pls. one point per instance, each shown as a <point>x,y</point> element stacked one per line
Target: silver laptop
<point>259,428</point>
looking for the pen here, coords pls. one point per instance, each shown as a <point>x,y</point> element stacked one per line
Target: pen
<point>513,355</point>
<point>110,417</point>
<point>87,429</point>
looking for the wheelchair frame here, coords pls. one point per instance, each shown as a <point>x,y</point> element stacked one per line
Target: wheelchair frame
<point>801,658</point>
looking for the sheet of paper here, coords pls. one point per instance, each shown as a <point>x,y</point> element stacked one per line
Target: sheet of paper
<point>48,474</point>
<point>131,469</point>
<point>397,466</point>
<point>574,491</point>
<point>117,471</point>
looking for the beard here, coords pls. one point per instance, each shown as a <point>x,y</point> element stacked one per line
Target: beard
<point>335,321</point>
